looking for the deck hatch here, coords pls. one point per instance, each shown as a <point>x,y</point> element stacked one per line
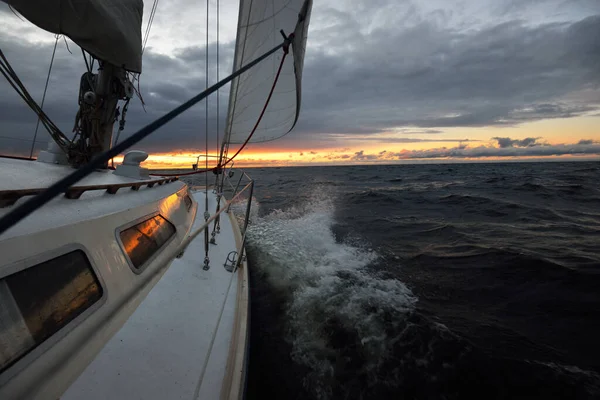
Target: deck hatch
<point>40,300</point>
<point>142,240</point>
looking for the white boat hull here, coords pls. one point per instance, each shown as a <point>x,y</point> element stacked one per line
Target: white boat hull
<point>187,339</point>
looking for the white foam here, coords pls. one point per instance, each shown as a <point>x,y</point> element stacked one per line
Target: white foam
<point>329,288</point>
<point>570,369</point>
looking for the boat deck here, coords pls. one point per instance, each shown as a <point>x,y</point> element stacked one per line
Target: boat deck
<point>177,344</point>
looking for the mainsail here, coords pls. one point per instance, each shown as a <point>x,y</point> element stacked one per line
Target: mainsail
<point>259,26</point>
<point>110,30</point>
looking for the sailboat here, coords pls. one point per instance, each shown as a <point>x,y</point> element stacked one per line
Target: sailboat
<point>116,283</point>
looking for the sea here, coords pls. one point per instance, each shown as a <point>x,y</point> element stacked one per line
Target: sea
<point>425,281</point>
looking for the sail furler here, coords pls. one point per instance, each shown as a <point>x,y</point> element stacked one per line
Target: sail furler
<point>110,30</point>
<point>259,26</point>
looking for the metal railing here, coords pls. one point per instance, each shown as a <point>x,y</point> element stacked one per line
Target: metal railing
<point>229,189</point>
<point>237,186</point>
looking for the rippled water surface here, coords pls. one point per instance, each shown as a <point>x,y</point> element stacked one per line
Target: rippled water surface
<point>439,281</point>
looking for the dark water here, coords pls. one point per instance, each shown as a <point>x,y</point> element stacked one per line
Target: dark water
<point>447,281</point>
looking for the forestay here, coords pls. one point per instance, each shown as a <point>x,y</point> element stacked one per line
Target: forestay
<point>259,25</point>
<point>110,30</point>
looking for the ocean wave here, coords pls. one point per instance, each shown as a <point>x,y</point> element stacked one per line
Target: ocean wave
<point>591,169</point>
<point>502,258</point>
<point>533,187</point>
<point>587,381</point>
<point>466,199</point>
<point>334,302</point>
<point>372,196</point>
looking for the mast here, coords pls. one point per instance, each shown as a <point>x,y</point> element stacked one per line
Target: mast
<point>108,107</point>
<point>110,31</point>
<point>98,98</point>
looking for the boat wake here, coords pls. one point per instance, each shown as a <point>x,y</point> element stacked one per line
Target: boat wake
<point>339,312</point>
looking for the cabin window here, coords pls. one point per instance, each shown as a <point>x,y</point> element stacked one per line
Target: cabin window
<point>40,300</point>
<point>143,240</point>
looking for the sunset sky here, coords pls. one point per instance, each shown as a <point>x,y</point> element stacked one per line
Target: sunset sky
<point>384,81</point>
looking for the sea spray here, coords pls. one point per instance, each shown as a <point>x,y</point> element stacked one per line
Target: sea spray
<point>334,300</point>
<point>503,284</point>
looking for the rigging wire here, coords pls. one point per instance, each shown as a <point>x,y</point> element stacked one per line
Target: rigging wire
<point>217,77</point>
<point>87,64</point>
<point>37,125</point>
<point>206,213</point>
<point>136,77</point>
<point>18,213</point>
<point>231,111</point>
<point>206,113</point>
<point>149,25</point>
<point>214,335</point>
<point>264,109</point>
<point>67,45</point>
<point>15,82</point>
<point>262,113</point>
<point>133,76</point>
<point>218,188</point>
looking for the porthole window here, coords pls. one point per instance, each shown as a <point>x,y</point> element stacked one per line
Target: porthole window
<point>144,239</point>
<point>38,301</point>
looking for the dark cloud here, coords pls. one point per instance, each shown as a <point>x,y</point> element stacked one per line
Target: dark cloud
<point>483,151</point>
<point>413,131</point>
<point>424,76</point>
<point>586,142</point>
<point>414,75</point>
<point>393,139</point>
<point>504,142</point>
<point>463,151</point>
<point>361,156</point>
<point>165,83</point>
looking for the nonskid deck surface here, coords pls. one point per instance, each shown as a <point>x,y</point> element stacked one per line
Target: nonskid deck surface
<point>161,350</point>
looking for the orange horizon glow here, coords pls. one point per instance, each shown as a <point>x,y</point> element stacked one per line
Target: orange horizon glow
<point>166,161</point>
<point>341,149</point>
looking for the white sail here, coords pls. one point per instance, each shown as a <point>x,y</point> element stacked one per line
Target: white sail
<point>110,30</point>
<point>259,25</point>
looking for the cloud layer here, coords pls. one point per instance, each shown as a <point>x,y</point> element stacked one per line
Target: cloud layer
<point>404,67</point>
<point>507,147</point>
